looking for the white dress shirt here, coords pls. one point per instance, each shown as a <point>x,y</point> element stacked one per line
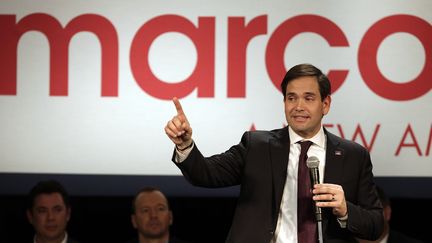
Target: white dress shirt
<point>286,229</point>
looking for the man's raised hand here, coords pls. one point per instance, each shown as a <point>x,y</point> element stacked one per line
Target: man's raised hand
<point>178,128</point>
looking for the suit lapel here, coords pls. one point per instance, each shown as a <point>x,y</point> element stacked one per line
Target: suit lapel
<point>279,151</point>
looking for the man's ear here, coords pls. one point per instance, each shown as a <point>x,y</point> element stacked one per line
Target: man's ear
<point>171,217</point>
<point>133,221</point>
<point>29,216</point>
<point>387,213</point>
<point>68,213</point>
<point>326,105</point>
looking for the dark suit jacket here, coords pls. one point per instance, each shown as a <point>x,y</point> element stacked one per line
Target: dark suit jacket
<point>397,237</point>
<point>171,240</point>
<point>259,164</point>
<point>69,240</point>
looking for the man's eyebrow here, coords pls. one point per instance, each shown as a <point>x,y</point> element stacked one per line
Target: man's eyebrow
<point>305,93</point>
<point>310,93</point>
<point>40,207</point>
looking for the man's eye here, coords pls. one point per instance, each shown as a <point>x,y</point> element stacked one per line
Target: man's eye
<point>41,210</point>
<point>58,209</point>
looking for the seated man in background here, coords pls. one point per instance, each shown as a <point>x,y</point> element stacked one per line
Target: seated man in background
<point>48,210</point>
<point>152,217</point>
<point>389,235</point>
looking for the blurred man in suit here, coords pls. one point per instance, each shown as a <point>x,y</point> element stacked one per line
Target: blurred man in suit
<point>152,217</point>
<point>389,235</point>
<point>49,211</point>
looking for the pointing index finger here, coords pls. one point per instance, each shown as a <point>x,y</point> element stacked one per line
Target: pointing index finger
<point>178,106</point>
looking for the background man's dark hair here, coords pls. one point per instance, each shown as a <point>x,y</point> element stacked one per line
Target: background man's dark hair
<point>385,201</point>
<point>47,187</point>
<point>304,70</point>
<point>146,189</point>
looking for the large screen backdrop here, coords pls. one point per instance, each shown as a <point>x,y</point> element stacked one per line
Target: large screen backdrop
<point>86,86</point>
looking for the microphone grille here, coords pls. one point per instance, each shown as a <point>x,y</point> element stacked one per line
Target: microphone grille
<point>312,162</point>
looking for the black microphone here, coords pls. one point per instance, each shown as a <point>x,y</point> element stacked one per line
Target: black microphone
<point>312,163</point>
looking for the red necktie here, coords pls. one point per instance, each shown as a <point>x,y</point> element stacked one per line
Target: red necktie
<point>306,223</point>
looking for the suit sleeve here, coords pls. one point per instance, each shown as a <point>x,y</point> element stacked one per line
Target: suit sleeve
<point>365,217</point>
<point>219,170</point>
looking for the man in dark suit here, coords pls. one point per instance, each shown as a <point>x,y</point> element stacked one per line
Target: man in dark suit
<point>266,165</point>
<point>48,210</point>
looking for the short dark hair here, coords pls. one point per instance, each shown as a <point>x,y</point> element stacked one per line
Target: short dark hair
<point>385,201</point>
<point>147,189</point>
<point>47,187</point>
<point>304,70</point>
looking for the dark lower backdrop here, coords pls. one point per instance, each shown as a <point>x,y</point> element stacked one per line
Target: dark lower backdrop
<point>199,219</point>
<point>101,207</point>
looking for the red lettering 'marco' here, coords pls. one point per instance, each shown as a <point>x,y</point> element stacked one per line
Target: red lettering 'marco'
<point>203,38</point>
<point>58,39</point>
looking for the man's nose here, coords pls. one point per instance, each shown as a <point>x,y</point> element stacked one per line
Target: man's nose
<point>50,215</point>
<point>154,213</point>
<point>299,105</point>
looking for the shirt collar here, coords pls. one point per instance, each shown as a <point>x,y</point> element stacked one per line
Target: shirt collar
<point>63,241</point>
<point>318,139</point>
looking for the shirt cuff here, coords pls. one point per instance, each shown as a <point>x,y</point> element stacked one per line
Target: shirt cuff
<point>343,221</point>
<point>182,155</point>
